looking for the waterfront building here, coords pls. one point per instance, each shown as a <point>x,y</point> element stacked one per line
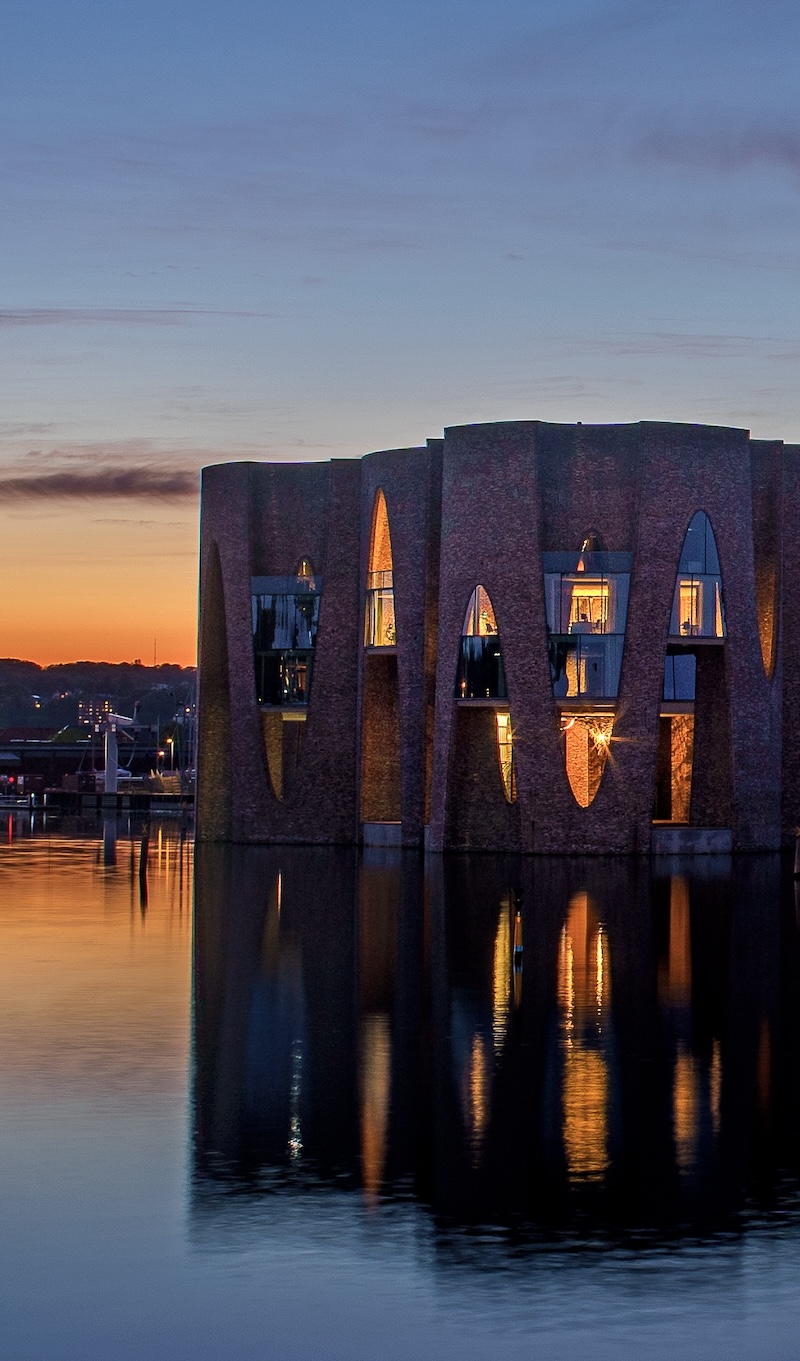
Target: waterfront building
<point>522,636</point>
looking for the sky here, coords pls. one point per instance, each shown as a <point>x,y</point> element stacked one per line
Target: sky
<point>262,231</point>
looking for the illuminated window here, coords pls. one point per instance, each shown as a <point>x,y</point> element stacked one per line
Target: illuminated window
<point>505,752</point>
<point>480,672</point>
<point>480,621</point>
<point>380,629</point>
<point>697,608</point>
<point>586,598</point>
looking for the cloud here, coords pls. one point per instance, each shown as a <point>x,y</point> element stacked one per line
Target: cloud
<point>113,316</point>
<point>725,151</point>
<point>101,483</point>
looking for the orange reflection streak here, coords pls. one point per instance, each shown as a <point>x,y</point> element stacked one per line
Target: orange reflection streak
<point>93,998</point>
<point>501,977</point>
<point>476,1095</point>
<point>584,999</point>
<point>375,1075</point>
<point>685,1108</point>
<point>680,943</point>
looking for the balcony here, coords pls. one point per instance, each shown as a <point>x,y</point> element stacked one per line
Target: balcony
<point>480,673</point>
<point>285,619</point>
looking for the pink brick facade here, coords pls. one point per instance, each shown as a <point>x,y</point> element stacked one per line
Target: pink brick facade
<point>384,739</point>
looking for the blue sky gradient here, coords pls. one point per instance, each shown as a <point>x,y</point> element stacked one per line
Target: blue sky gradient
<point>254,230</point>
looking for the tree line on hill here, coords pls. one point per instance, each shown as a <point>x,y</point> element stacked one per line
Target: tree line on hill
<point>64,695</point>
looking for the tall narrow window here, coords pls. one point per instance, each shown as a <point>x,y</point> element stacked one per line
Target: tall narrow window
<point>380,629</point>
<point>285,618</point>
<point>697,608</point>
<point>480,664</point>
<point>586,596</point>
<point>505,753</point>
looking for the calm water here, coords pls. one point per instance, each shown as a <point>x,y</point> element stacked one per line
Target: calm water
<point>495,1109</point>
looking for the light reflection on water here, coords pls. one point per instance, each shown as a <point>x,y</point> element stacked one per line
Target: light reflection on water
<point>479,1107</point>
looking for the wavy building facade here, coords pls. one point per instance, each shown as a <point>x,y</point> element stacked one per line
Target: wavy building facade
<point>523,636</point>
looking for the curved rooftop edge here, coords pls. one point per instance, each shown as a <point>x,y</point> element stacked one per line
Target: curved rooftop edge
<point>622,692</point>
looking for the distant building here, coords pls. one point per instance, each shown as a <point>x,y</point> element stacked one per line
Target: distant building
<point>522,636</point>
<point>92,711</point>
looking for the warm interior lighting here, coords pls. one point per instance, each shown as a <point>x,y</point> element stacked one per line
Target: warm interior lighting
<point>480,621</point>
<point>505,752</point>
<point>587,741</point>
<point>590,606</point>
<point>697,608</point>
<point>380,627</point>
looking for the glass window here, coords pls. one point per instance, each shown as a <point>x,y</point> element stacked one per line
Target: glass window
<point>380,628</point>
<point>586,601</point>
<point>505,752</point>
<point>480,664</point>
<point>697,608</point>
<point>285,619</point>
<point>679,676</point>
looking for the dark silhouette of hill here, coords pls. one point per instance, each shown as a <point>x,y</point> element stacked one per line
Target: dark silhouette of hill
<point>51,696</point>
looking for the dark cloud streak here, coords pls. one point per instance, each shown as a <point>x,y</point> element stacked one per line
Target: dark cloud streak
<point>113,316</point>
<point>723,150</point>
<point>141,484</point>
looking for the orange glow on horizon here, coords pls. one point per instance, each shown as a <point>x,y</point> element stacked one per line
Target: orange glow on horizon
<point>99,582</point>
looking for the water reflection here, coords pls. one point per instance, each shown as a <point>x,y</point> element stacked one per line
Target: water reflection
<point>557,1047</point>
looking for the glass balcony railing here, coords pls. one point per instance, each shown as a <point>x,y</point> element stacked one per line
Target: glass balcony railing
<point>585,664</point>
<point>586,598</point>
<point>480,673</point>
<point>285,619</point>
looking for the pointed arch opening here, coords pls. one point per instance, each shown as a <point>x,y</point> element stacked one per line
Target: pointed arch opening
<point>480,673</point>
<point>380,627</point>
<point>693,779</point>
<point>587,743</point>
<point>697,606</point>
<point>380,717</point>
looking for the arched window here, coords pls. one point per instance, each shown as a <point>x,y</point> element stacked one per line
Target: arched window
<point>697,607</point>
<point>305,571</point>
<point>480,664</point>
<point>380,629</point>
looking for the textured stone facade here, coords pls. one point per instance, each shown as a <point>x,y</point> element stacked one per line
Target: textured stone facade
<point>384,738</point>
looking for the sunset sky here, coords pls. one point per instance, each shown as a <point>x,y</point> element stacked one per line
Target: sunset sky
<point>251,230</point>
